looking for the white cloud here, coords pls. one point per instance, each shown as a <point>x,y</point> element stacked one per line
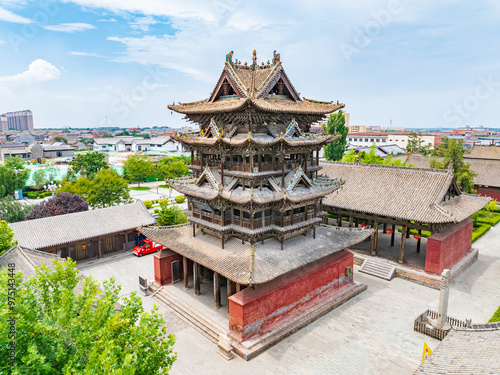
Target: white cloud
<point>38,71</point>
<point>143,23</point>
<point>2,42</point>
<point>70,27</point>
<point>8,16</point>
<point>107,20</point>
<point>76,53</point>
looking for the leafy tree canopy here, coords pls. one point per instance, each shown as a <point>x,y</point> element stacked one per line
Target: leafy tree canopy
<point>60,204</point>
<point>137,168</point>
<point>6,242</point>
<point>454,157</point>
<point>108,189</point>
<point>336,125</point>
<point>88,164</point>
<point>61,139</point>
<point>13,211</point>
<point>62,331</point>
<point>171,170</point>
<point>371,157</point>
<point>171,215</point>
<point>13,176</point>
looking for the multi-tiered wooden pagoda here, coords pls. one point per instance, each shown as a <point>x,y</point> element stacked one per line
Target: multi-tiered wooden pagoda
<point>255,202</point>
<point>254,161</point>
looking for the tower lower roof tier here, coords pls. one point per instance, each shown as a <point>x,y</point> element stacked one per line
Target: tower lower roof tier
<point>260,263</point>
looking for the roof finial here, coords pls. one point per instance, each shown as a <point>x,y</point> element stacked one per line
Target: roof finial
<point>229,58</point>
<point>254,58</point>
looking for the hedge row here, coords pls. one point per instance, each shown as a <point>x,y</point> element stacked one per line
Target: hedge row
<point>495,317</point>
<point>479,230</point>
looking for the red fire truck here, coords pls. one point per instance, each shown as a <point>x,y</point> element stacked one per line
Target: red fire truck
<point>147,246</point>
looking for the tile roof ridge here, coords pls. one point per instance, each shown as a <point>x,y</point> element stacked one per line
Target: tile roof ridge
<point>31,263</point>
<point>444,188</point>
<point>443,211</point>
<point>384,166</point>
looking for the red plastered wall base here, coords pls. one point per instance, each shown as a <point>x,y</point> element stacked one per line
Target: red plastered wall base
<point>445,249</point>
<point>260,310</point>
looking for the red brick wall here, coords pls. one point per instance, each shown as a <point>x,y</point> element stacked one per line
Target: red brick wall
<point>445,249</point>
<point>163,266</point>
<point>256,311</point>
<point>492,193</point>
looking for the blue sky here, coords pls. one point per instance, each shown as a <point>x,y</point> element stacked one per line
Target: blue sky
<point>81,63</point>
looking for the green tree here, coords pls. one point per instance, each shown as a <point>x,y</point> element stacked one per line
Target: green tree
<point>13,211</point>
<point>371,157</point>
<point>39,177</point>
<point>441,149</point>
<point>61,139</point>
<point>171,215</point>
<point>336,125</point>
<point>13,176</point>
<point>88,164</point>
<point>6,242</point>
<point>171,170</point>
<point>82,187</point>
<point>62,331</point>
<point>108,189</point>
<point>414,142</point>
<point>454,158</point>
<point>137,168</point>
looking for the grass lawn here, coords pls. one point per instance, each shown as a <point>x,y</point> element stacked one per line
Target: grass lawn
<point>164,186</point>
<point>139,188</point>
<point>496,316</point>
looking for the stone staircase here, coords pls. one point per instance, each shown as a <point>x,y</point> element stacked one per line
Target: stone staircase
<point>201,323</point>
<point>383,270</point>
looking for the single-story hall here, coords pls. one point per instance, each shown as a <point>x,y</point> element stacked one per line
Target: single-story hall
<point>85,234</point>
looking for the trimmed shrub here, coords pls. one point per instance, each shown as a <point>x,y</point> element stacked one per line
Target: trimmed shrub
<point>156,210</point>
<point>425,233</point>
<point>163,201</point>
<point>479,230</point>
<point>32,194</point>
<point>45,194</point>
<point>148,204</point>
<point>180,198</point>
<point>491,206</point>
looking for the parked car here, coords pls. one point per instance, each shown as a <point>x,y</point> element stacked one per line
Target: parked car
<point>147,246</point>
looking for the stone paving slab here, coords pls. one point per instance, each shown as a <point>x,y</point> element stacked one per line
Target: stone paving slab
<point>370,334</point>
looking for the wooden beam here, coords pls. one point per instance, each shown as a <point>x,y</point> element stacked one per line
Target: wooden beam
<point>380,219</point>
<point>402,247</point>
<point>375,239</point>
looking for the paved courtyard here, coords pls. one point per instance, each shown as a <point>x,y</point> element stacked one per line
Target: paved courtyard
<point>371,334</point>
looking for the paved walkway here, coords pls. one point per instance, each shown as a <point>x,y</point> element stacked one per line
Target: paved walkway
<point>371,334</point>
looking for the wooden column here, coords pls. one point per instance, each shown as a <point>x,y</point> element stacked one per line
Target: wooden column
<point>407,232</point>
<point>185,272</point>
<point>291,217</point>
<point>283,173</point>
<point>317,158</point>
<point>356,223</point>
<point>192,156</point>
<point>260,162</point>
<point>197,272</point>
<point>238,288</point>
<point>126,241</point>
<point>339,220</point>
<point>385,228</point>
<point>99,248</point>
<point>217,289</point>
<point>282,239</point>
<point>194,227</point>
<point>393,234</point>
<point>314,231</point>
<point>222,239</point>
<point>402,248</point>
<point>350,221</point>
<point>229,288</point>
<point>375,238</point>
<point>419,240</point>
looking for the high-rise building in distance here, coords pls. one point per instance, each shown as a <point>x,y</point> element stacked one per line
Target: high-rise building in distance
<point>3,123</point>
<point>20,120</point>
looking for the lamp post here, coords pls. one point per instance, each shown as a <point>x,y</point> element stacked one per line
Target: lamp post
<point>157,186</point>
<point>52,187</point>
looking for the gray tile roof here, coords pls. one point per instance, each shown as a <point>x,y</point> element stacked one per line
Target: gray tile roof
<point>400,192</point>
<point>465,351</point>
<point>484,152</point>
<point>488,171</point>
<point>62,229</point>
<point>269,261</point>
<point>26,260</point>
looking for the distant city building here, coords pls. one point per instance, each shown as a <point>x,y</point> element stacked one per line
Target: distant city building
<point>20,120</point>
<point>401,139</point>
<point>136,144</point>
<point>4,125</point>
<point>357,128</point>
<point>366,139</point>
